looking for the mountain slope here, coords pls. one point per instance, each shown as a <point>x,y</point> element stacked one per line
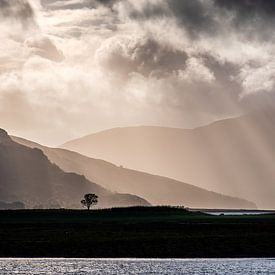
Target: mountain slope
<point>233,156</point>
<point>28,176</point>
<point>157,190</point>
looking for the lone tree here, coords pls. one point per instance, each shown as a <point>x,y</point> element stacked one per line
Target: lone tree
<point>89,200</point>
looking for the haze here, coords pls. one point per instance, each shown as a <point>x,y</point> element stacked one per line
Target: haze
<point>70,68</point>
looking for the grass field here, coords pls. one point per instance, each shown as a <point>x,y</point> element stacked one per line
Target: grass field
<point>134,232</point>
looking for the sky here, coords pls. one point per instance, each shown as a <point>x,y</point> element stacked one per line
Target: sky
<point>73,67</point>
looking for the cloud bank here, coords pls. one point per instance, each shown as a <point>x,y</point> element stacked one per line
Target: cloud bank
<point>68,68</point>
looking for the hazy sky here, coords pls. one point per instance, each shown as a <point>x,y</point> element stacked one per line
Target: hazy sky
<point>72,67</point>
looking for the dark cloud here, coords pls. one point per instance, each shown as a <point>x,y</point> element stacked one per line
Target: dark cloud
<point>194,15</point>
<point>212,17</point>
<point>254,18</point>
<point>248,8</point>
<point>143,55</point>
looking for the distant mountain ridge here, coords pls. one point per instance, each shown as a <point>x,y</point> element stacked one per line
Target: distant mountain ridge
<point>234,156</point>
<point>157,190</point>
<point>26,175</point>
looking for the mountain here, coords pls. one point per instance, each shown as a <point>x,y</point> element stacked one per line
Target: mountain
<point>26,175</point>
<point>233,156</point>
<point>157,190</point>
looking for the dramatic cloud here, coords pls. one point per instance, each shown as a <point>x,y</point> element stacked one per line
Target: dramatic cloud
<point>72,67</point>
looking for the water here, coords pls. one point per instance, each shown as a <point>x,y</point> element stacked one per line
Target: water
<point>237,213</point>
<point>136,266</point>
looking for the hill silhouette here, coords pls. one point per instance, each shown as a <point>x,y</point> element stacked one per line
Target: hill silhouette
<point>232,156</point>
<point>29,177</point>
<point>157,190</point>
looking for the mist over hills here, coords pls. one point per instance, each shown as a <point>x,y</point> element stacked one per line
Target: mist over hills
<point>26,175</point>
<point>233,156</point>
<point>157,190</point>
<point>80,66</point>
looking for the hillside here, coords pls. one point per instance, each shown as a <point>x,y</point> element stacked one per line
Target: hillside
<point>233,156</point>
<point>29,177</point>
<point>157,190</point>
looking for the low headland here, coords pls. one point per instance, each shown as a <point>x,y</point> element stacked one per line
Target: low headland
<point>142,232</point>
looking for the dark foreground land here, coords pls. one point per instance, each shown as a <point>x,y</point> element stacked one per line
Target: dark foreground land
<point>134,232</point>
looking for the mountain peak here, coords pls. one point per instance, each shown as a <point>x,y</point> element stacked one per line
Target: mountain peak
<point>4,137</point>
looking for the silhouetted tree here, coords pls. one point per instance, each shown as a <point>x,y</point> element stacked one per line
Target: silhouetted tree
<point>89,200</point>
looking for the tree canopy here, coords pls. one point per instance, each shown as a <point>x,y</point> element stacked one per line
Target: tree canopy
<point>89,200</point>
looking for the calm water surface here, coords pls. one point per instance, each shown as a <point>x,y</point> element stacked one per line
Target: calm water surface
<point>137,266</point>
